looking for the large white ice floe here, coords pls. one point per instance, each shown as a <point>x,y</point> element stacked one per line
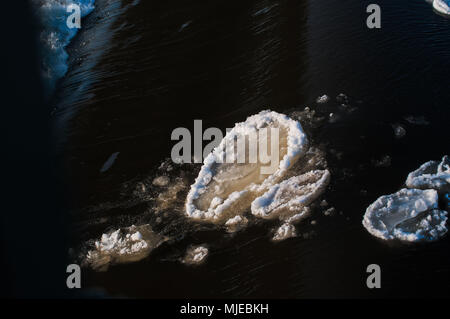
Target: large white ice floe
<point>292,195</point>
<point>442,6</point>
<point>123,245</point>
<point>432,174</point>
<point>225,189</point>
<point>409,215</point>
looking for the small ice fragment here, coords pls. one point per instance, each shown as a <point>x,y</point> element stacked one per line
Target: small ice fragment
<point>333,117</point>
<point>236,223</point>
<point>195,255</point>
<point>399,131</point>
<point>285,231</point>
<point>184,25</point>
<point>418,120</point>
<point>161,181</point>
<point>330,211</point>
<point>109,162</point>
<point>322,99</point>
<point>432,174</point>
<point>122,246</point>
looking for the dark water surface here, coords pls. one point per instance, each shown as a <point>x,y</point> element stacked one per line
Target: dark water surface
<point>141,69</point>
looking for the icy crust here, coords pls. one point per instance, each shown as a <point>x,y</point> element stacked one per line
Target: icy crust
<point>123,245</point>
<point>222,189</point>
<point>442,6</point>
<point>409,215</point>
<point>432,174</point>
<point>292,195</point>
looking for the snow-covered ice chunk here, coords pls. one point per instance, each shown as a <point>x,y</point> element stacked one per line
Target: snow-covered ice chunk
<point>285,231</point>
<point>291,195</point>
<point>122,246</point>
<point>236,223</point>
<point>409,215</point>
<point>442,6</point>
<point>223,190</point>
<point>399,131</point>
<point>432,174</point>
<point>322,99</point>
<point>195,255</point>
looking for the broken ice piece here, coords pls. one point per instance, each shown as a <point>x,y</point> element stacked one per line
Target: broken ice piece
<point>408,215</point>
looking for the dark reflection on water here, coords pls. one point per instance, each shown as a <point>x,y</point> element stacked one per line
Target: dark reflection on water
<point>160,65</point>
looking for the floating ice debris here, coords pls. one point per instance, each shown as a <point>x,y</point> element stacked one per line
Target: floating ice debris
<point>285,231</point>
<point>408,215</point>
<point>236,223</point>
<point>223,190</point>
<point>161,181</point>
<point>184,25</point>
<point>195,255</point>
<point>418,120</point>
<point>292,195</point>
<point>330,211</point>
<point>333,117</point>
<point>109,162</point>
<point>385,161</point>
<point>322,99</point>
<point>122,246</point>
<point>399,131</point>
<point>342,98</point>
<point>432,174</point>
<point>442,6</point>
